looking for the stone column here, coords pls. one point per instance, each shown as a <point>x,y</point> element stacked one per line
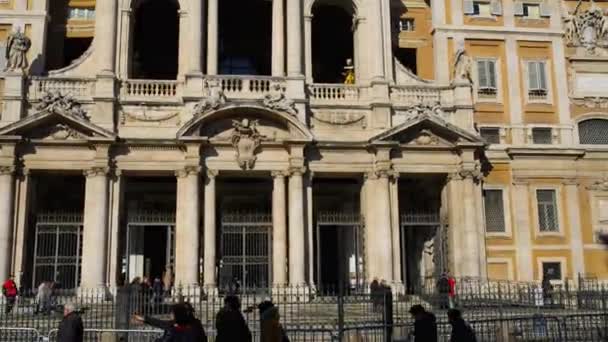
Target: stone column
<point>523,234</point>
<point>212,36</point>
<point>195,45</point>
<point>395,229</point>
<point>210,230</point>
<point>278,38</point>
<point>308,48</point>
<point>296,228</point>
<point>6,220</point>
<point>116,198</point>
<point>187,234</point>
<point>378,225</point>
<point>94,248</point>
<point>294,38</point>
<point>22,204</point>
<point>279,229</point>
<point>574,221</point>
<point>105,35</point>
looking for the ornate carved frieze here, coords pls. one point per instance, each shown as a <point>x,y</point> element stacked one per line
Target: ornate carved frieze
<point>338,118</point>
<point>592,102</point>
<point>587,29</point>
<point>425,109</point>
<point>214,101</point>
<point>600,185</point>
<point>246,139</point>
<point>54,101</point>
<point>277,100</point>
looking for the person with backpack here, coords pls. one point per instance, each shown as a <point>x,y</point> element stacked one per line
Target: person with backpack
<point>183,327</point>
<point>230,323</point>
<point>271,329</point>
<point>9,290</point>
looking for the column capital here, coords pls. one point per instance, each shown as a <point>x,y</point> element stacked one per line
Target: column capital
<point>297,171</point>
<point>520,181</point>
<point>212,173</point>
<point>7,170</point>
<point>96,171</point>
<point>571,181</point>
<point>188,171</point>
<point>475,174</point>
<point>279,174</point>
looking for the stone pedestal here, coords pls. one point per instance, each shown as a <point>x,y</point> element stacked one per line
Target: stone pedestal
<point>14,93</point>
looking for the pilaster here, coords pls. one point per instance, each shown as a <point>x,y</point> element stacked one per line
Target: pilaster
<point>523,235</point>
<point>574,222</point>
<point>14,95</point>
<point>514,90</point>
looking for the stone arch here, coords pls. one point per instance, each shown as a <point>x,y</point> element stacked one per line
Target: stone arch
<point>197,126</point>
<point>350,6</point>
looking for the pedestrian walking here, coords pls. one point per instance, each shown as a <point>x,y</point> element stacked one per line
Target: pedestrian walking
<point>43,298</point>
<point>461,330</point>
<point>547,287</point>
<point>387,313</point>
<point>157,290</point>
<point>443,291</point>
<point>70,327</point>
<point>271,329</point>
<point>183,326</point>
<point>425,324</point>
<point>452,290</point>
<point>229,322</point>
<point>10,292</point>
<point>374,291</point>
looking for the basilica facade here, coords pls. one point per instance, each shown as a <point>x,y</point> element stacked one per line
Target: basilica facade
<point>308,143</point>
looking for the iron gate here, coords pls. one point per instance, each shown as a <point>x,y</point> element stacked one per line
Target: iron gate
<point>246,242</point>
<point>341,222</point>
<point>58,249</point>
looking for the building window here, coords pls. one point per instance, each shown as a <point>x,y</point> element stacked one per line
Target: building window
<point>593,132</point>
<point>532,9</point>
<point>494,210</point>
<point>547,211</point>
<point>82,13</point>
<point>552,270</point>
<point>537,80</point>
<point>486,78</point>
<point>542,135</point>
<point>483,8</point>
<point>490,134</point>
<point>407,25</point>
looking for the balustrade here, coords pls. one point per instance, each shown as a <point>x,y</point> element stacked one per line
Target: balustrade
<point>79,88</point>
<point>336,93</point>
<point>148,89</point>
<point>245,87</point>
<point>408,95</point>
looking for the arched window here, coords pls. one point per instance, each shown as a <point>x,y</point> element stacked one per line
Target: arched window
<point>155,40</point>
<point>332,42</point>
<point>593,132</point>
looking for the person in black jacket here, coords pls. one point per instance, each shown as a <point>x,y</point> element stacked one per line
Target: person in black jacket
<point>229,322</point>
<point>184,327</point>
<point>461,330</point>
<point>425,325</point>
<point>70,328</point>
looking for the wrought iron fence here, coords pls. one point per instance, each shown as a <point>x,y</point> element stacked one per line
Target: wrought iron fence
<point>312,314</point>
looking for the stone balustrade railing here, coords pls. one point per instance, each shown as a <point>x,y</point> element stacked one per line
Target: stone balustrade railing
<point>321,93</point>
<point>79,88</point>
<point>408,95</point>
<point>244,87</point>
<point>148,89</point>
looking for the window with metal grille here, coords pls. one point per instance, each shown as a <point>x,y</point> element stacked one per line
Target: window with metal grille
<point>407,24</point>
<point>486,78</point>
<point>593,132</point>
<point>537,80</point>
<point>495,211</point>
<point>542,136</point>
<point>552,270</point>
<point>490,134</point>
<point>547,210</point>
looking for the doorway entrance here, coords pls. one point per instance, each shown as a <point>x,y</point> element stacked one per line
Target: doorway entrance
<point>339,261</point>
<point>150,249</point>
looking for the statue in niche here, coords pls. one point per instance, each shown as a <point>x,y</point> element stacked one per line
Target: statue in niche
<point>462,67</point>
<point>277,100</point>
<point>17,47</point>
<point>428,258</point>
<point>246,139</point>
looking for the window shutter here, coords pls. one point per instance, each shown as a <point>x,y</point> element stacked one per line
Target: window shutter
<point>468,7</point>
<point>542,77</point>
<point>496,7</point>
<point>545,9</point>
<point>532,76</point>
<point>519,8</point>
<point>492,74</point>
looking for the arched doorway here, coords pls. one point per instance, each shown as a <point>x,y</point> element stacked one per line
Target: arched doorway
<point>332,42</point>
<point>245,37</point>
<point>155,48</point>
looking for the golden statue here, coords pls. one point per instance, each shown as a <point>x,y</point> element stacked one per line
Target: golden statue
<point>349,72</point>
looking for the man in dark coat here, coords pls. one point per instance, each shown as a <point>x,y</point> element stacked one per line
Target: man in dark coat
<point>443,291</point>
<point>184,327</point>
<point>70,328</point>
<point>425,325</point>
<point>229,322</point>
<point>461,330</point>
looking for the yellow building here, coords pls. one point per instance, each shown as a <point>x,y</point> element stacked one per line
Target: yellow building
<point>471,136</point>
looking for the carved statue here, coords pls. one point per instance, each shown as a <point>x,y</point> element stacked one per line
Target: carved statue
<point>588,29</point>
<point>246,139</point>
<point>349,72</point>
<point>215,99</point>
<point>462,67</point>
<point>54,101</point>
<point>425,109</point>
<point>277,100</point>
<point>570,23</point>
<point>16,51</point>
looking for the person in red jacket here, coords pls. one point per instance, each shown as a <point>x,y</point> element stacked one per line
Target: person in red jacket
<point>452,290</point>
<point>9,290</point>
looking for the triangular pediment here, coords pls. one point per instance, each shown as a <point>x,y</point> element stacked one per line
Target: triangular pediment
<point>58,126</point>
<point>427,130</point>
